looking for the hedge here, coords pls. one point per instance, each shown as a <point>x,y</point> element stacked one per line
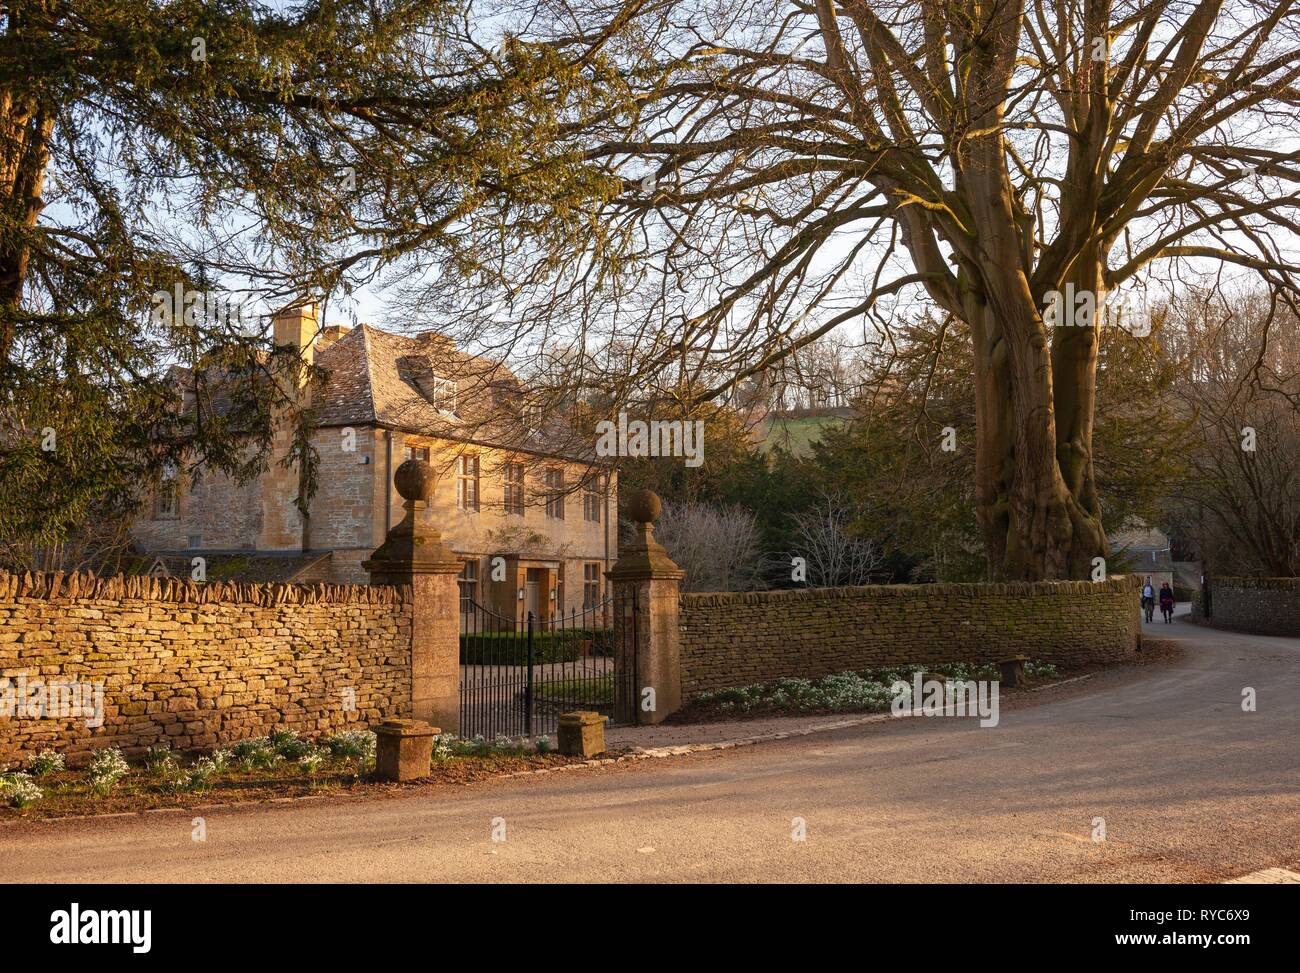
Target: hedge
<point>511,648</point>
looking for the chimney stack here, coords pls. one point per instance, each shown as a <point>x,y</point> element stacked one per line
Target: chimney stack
<point>296,327</point>
<point>330,334</point>
<point>283,528</point>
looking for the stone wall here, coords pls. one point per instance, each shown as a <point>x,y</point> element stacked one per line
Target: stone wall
<point>216,513</point>
<point>735,639</point>
<point>351,464</point>
<point>1261,606</point>
<point>196,665</point>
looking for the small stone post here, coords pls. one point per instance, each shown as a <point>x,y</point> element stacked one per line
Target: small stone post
<point>646,576</point>
<point>404,749</point>
<point>582,734</point>
<point>414,554</point>
<point>1012,670</point>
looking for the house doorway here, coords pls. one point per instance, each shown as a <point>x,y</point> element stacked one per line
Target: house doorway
<point>532,589</point>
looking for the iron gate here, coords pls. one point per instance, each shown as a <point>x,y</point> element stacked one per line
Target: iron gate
<point>518,675</point>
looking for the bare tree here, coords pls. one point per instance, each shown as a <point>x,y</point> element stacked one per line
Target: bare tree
<point>1240,503</point>
<point>781,168</point>
<point>825,373</point>
<point>824,538</point>
<point>716,545</point>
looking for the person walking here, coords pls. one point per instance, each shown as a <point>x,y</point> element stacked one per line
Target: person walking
<point>1167,602</point>
<point>1148,598</point>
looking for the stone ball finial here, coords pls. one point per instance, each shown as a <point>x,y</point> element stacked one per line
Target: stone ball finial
<point>415,479</point>
<point>644,506</point>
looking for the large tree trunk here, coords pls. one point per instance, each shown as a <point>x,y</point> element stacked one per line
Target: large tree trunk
<point>1036,495</point>
<point>1036,498</point>
<point>26,126</point>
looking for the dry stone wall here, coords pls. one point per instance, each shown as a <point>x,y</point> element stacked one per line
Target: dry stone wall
<point>735,639</point>
<point>1261,606</point>
<point>193,665</point>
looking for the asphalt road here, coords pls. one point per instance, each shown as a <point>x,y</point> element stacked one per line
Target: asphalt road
<point>1191,789</point>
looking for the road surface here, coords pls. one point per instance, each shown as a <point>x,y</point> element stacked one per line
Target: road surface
<point>1190,787</point>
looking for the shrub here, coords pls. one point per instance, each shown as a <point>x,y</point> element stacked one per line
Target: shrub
<point>842,692</point>
<point>19,789</point>
<point>246,748</point>
<point>200,775</point>
<point>868,691</point>
<point>444,747</point>
<point>46,762</point>
<point>447,745</point>
<point>510,647</point>
<point>197,777</point>
<point>106,768</point>
<point>961,671</point>
<point>266,759</point>
<point>505,744</point>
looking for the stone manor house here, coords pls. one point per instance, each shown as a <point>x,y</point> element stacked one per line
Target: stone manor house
<point>513,484</point>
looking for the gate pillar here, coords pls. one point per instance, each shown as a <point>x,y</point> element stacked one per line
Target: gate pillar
<point>647,641</point>
<point>414,554</point>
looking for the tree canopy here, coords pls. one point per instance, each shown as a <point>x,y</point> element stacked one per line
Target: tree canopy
<point>656,200</point>
<point>251,154</point>
<point>788,168</point>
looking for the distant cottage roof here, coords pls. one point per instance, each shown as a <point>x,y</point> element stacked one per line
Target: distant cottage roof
<point>1141,546</point>
<point>1138,535</point>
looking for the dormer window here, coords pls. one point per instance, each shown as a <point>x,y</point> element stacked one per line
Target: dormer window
<point>437,390</point>
<point>533,420</point>
<point>506,394</point>
<point>442,393</point>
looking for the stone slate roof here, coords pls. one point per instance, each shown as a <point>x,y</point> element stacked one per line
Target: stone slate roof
<point>1139,535</point>
<point>398,381</point>
<point>1141,547</point>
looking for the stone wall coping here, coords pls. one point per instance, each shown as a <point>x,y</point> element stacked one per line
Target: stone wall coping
<point>76,586</point>
<point>406,728</point>
<point>916,591</point>
<point>1264,584</point>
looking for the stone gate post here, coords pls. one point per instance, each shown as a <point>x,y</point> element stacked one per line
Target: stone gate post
<point>414,554</point>
<point>646,576</point>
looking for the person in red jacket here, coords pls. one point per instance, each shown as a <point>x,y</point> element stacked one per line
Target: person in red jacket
<point>1167,602</point>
